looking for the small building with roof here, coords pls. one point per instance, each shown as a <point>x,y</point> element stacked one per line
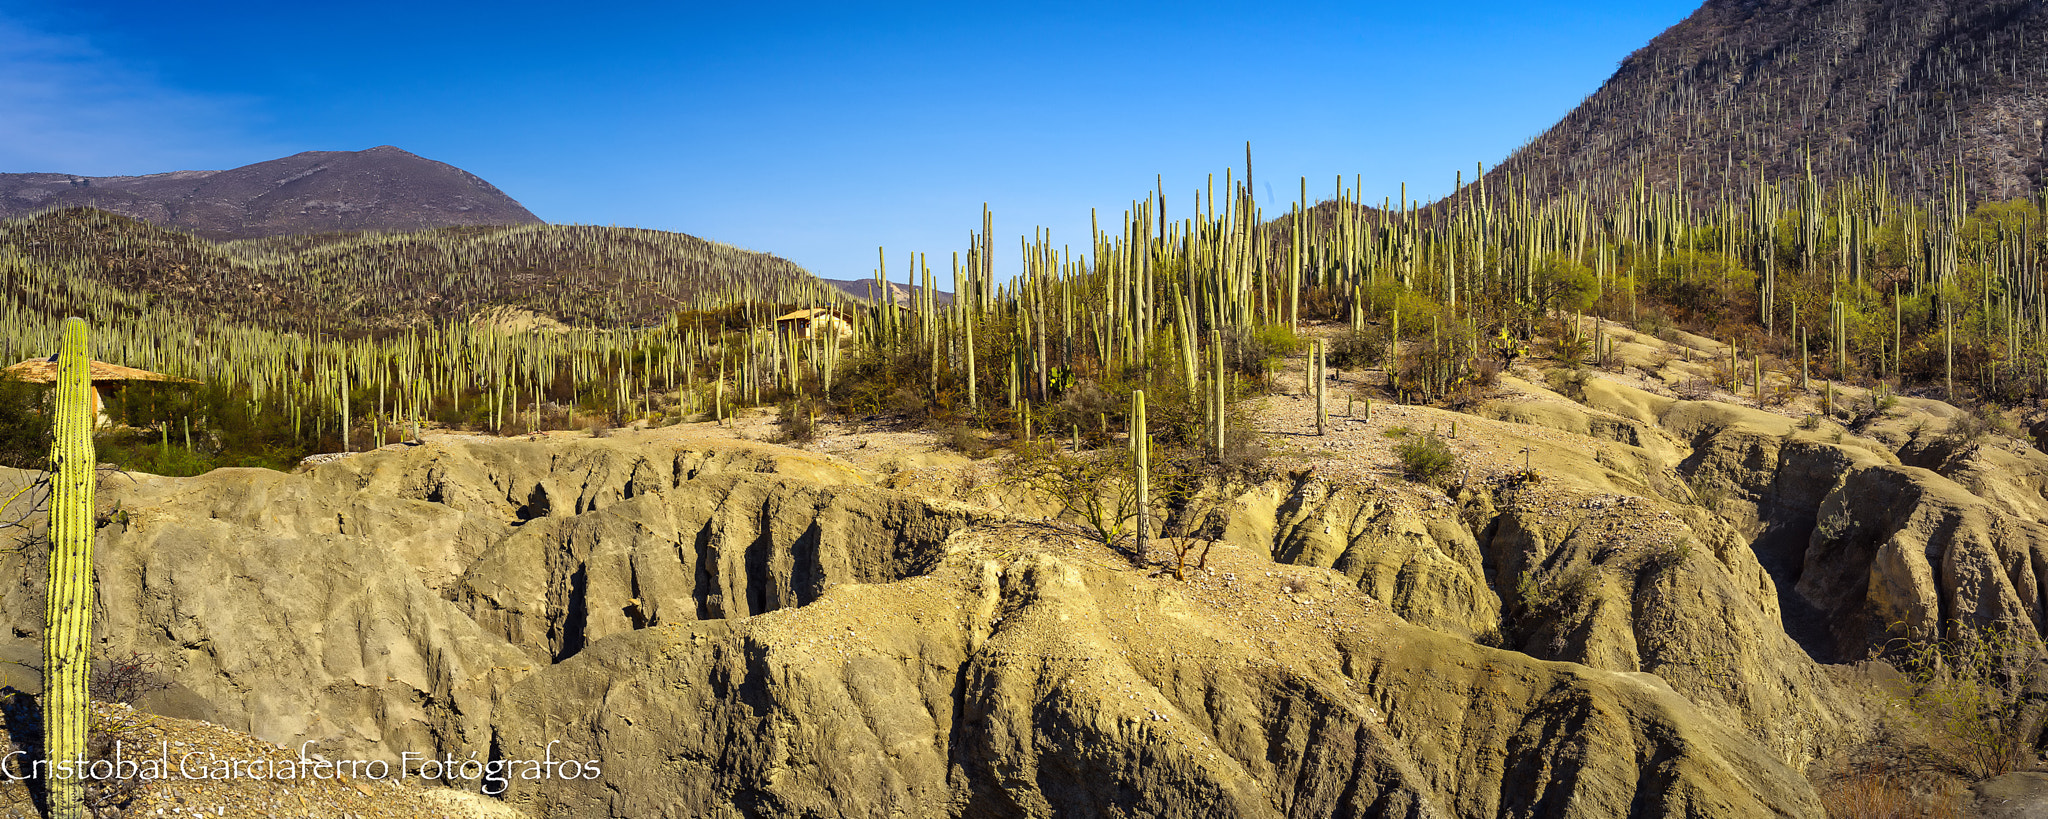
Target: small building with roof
<point>105,376</point>
<point>815,322</point>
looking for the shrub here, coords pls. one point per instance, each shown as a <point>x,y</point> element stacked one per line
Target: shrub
<point>1706,492</point>
<point>126,679</point>
<point>1426,459</point>
<point>965,440</point>
<point>1562,283</point>
<point>1485,373</point>
<point>1090,407</point>
<point>1883,786</point>
<point>1669,556</point>
<point>221,425</point>
<point>1973,690</point>
<point>1695,389</point>
<point>1652,322</point>
<point>1320,303</point>
<point>1699,280</point>
<point>1540,595</point>
<point>1533,596</point>
<point>1974,426</point>
<point>1571,348</point>
<point>155,458</point>
<point>1439,368</point>
<point>1569,382</point>
<point>796,421</point>
<point>1098,489</point>
<point>24,425</point>
<point>1243,452</point>
<point>1359,350</point>
<point>1253,351</point>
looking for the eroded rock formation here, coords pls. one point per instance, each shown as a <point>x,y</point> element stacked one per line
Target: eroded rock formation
<point>1645,627</point>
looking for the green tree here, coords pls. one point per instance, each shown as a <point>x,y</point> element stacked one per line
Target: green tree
<point>1562,283</point>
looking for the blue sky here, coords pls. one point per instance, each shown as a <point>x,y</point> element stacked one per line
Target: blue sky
<point>818,131</point>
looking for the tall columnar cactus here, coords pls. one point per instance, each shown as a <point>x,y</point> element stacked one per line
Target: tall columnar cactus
<point>1322,376</point>
<point>1219,409</point>
<point>67,626</point>
<point>1141,460</point>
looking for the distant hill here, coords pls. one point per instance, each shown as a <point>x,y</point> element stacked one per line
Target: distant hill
<point>382,189</point>
<point>95,263</point>
<point>1748,87</point>
<point>866,289</point>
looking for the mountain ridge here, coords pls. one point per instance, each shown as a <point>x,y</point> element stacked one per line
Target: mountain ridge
<point>384,188</point>
<point>1743,90</point>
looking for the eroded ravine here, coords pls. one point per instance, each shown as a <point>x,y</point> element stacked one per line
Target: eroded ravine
<point>740,628</point>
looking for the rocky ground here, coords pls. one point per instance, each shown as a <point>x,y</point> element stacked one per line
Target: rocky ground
<point>1624,603</point>
<point>177,770</point>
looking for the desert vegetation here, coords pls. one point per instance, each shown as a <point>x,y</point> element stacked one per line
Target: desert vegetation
<point>347,341</point>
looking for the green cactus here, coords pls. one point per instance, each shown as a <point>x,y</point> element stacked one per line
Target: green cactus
<point>67,629</point>
<point>1142,461</point>
<point>1322,377</point>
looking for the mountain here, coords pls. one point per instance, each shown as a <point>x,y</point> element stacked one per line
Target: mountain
<point>1743,88</point>
<point>82,261</point>
<point>905,294</point>
<point>380,189</point>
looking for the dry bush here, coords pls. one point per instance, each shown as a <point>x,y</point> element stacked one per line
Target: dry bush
<point>1727,377</point>
<point>1878,791</point>
<point>126,679</point>
<point>966,440</point>
<point>1253,352</point>
<point>1571,347</point>
<point>1982,422</point>
<point>1695,389</point>
<point>1669,556</point>
<point>1320,303</point>
<point>1243,454</point>
<point>113,796</point>
<point>1651,321</point>
<point>1359,350</point>
<point>1485,373</point>
<point>1895,774</point>
<point>796,421</point>
<point>1090,408</point>
<point>1569,382</point>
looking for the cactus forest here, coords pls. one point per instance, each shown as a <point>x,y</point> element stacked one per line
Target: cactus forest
<point>351,341</point>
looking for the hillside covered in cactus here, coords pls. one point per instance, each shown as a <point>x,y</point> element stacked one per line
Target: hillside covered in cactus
<point>83,259</point>
<point>1748,92</point>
